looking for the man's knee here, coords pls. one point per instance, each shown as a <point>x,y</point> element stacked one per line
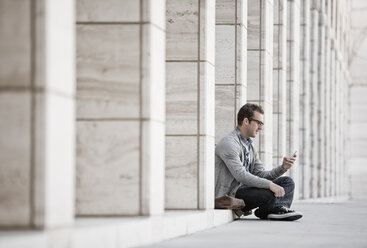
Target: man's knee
<point>285,181</point>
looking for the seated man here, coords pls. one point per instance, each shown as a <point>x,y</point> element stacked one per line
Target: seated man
<point>240,173</point>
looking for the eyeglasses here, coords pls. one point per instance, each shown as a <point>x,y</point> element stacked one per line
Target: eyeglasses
<point>260,123</point>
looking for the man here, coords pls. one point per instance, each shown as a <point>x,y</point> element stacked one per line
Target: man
<point>240,173</point>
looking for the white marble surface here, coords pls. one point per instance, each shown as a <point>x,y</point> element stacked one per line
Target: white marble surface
<point>182,29</point>
<point>153,73</point>
<point>207,99</point>
<point>154,11</point>
<point>57,50</point>
<point>225,116</point>
<point>108,71</point>
<point>58,155</point>
<point>107,168</point>
<point>225,53</point>
<point>15,61</point>
<point>107,11</point>
<point>15,157</point>
<point>225,11</point>
<point>206,172</point>
<point>119,232</point>
<point>253,24</point>
<point>181,172</point>
<point>153,167</point>
<point>207,31</point>
<point>181,98</point>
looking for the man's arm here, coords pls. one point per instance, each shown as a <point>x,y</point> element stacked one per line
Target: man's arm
<point>229,153</point>
<point>260,171</point>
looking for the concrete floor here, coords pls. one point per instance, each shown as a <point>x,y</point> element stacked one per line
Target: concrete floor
<point>323,225</point>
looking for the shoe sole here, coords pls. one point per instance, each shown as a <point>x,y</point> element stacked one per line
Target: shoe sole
<point>285,217</point>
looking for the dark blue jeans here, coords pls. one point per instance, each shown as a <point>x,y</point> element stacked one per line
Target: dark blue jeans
<point>264,199</point>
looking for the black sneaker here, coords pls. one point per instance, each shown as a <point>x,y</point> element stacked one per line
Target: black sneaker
<point>240,212</point>
<point>283,213</point>
<point>260,215</point>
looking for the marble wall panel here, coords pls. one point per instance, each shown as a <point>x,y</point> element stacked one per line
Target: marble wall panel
<point>279,91</point>
<point>182,29</point>
<point>181,98</point>
<point>359,148</point>
<point>356,111</point>
<point>108,71</point>
<point>15,157</point>
<point>225,54</point>
<point>225,115</point>
<point>107,11</point>
<point>260,68</point>
<point>181,172</point>
<point>358,95</point>
<point>254,23</point>
<point>15,61</point>
<point>253,75</point>
<point>225,13</point>
<point>108,181</point>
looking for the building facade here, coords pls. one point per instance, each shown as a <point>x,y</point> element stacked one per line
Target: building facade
<point>110,110</point>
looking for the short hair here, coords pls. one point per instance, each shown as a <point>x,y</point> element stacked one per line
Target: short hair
<point>247,111</point>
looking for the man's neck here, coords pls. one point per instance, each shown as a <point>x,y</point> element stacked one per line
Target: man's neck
<point>243,133</point>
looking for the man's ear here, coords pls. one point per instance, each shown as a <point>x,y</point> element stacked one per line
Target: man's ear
<point>245,120</point>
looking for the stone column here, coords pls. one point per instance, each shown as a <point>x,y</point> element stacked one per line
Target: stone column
<point>120,107</point>
<point>327,99</point>
<point>321,101</point>
<point>260,69</point>
<point>314,95</point>
<point>293,92</point>
<point>37,85</point>
<point>190,104</point>
<point>230,63</point>
<point>333,119</point>
<point>305,95</point>
<point>338,152</point>
<point>279,81</point>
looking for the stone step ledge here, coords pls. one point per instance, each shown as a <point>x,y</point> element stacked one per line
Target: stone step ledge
<point>117,232</point>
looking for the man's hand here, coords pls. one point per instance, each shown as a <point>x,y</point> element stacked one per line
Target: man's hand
<point>278,190</point>
<point>288,162</point>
